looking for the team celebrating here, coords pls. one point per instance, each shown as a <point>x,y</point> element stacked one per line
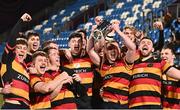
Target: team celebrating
<point>91,73</point>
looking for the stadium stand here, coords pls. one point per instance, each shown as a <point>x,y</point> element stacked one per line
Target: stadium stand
<point>139,13</point>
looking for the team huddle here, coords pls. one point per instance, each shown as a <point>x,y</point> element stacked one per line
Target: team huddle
<point>90,74</point>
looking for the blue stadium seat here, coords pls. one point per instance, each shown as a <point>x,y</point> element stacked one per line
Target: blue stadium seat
<point>177,50</point>
<point>154,35</point>
<point>175,26</point>
<point>115,14</point>
<point>2,45</point>
<point>167,35</point>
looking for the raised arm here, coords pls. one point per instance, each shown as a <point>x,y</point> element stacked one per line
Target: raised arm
<point>159,45</point>
<point>17,28</point>
<point>95,58</point>
<point>90,42</point>
<point>8,54</point>
<point>91,46</point>
<point>130,55</point>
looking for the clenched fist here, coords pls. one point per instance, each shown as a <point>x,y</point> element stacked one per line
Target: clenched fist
<point>26,17</point>
<point>158,25</point>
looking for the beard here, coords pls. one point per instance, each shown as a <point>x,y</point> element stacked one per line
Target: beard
<point>76,52</point>
<point>145,55</point>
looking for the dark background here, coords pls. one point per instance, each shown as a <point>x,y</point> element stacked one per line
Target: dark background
<point>12,10</point>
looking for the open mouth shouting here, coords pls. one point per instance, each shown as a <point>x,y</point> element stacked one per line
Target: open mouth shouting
<point>42,68</point>
<point>76,48</point>
<point>165,58</point>
<point>145,48</point>
<point>21,56</point>
<point>35,46</point>
<point>57,60</point>
<point>113,55</point>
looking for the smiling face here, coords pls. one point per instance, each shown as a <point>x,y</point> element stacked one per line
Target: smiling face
<point>21,52</point>
<point>168,55</point>
<point>146,47</point>
<point>33,43</point>
<point>40,63</point>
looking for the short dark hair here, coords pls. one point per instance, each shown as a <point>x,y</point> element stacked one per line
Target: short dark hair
<point>75,35</point>
<point>83,31</point>
<point>39,53</point>
<point>169,46</point>
<point>46,44</point>
<point>147,38</point>
<point>46,49</point>
<point>30,34</point>
<point>111,44</point>
<point>132,28</point>
<point>22,41</point>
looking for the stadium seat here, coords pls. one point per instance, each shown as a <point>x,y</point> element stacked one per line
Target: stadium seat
<point>167,35</point>
<point>177,50</point>
<point>129,12</point>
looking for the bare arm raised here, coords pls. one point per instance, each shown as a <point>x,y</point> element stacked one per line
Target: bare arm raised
<point>130,55</point>
<point>18,28</point>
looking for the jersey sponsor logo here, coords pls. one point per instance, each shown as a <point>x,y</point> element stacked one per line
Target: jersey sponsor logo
<point>23,78</point>
<point>80,71</point>
<point>140,76</point>
<point>108,77</point>
<point>167,82</point>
